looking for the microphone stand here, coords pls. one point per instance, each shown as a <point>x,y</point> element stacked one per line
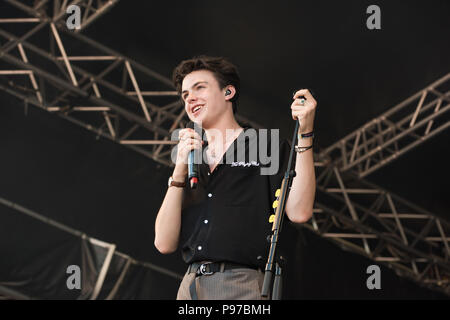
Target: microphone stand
<point>276,229</point>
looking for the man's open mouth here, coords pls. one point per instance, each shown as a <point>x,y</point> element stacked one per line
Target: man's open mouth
<point>196,110</point>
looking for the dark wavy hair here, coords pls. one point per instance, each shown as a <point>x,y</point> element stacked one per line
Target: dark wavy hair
<point>224,71</point>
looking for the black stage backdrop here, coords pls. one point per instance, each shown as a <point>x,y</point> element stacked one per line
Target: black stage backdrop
<point>113,194</point>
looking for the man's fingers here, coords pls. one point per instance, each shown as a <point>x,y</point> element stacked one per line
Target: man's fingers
<point>305,93</point>
<point>188,134</point>
<point>299,107</point>
<point>184,147</point>
<point>195,144</point>
<point>296,106</point>
<point>191,142</point>
<point>299,114</point>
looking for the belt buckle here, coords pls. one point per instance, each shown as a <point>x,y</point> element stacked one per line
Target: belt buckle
<point>202,269</point>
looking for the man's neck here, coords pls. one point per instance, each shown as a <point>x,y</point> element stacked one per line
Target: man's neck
<point>223,126</point>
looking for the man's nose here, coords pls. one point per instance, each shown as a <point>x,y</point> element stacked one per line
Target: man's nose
<point>191,97</point>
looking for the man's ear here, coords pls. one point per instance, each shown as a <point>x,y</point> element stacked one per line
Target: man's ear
<point>230,91</point>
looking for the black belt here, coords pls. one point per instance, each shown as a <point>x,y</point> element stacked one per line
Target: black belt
<point>209,268</point>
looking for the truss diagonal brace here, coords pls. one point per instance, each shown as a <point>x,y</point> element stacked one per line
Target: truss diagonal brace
<point>78,91</point>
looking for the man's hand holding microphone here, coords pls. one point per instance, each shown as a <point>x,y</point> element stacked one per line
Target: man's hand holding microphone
<point>189,140</point>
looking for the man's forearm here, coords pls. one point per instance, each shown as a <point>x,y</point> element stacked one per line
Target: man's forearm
<point>168,221</point>
<point>300,202</point>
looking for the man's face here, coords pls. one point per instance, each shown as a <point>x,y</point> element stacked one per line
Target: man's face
<point>204,100</point>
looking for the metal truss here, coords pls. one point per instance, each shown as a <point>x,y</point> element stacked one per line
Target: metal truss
<point>91,10</point>
<point>110,255</point>
<point>77,78</point>
<point>80,86</point>
<point>368,220</point>
<point>396,131</point>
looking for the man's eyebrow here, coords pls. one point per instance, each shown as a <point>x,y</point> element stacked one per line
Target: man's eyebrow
<point>194,86</point>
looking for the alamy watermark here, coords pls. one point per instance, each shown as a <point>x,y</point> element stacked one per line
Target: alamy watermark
<point>257,143</point>
<point>74,20</point>
<point>374,281</point>
<point>74,280</point>
<point>374,20</point>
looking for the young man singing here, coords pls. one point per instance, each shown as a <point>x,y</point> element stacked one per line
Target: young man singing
<point>223,224</point>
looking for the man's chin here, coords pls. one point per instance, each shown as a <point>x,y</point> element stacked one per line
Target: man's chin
<point>201,121</point>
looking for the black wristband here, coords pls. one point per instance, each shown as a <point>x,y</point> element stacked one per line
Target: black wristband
<point>302,149</point>
<point>306,135</point>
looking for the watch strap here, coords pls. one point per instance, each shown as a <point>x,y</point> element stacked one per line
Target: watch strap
<point>176,183</point>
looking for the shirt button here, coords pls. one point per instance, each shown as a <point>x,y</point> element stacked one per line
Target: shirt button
<point>206,221</point>
<point>210,195</point>
<point>209,174</point>
<point>199,248</point>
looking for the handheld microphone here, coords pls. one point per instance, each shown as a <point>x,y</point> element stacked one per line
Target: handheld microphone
<point>193,159</point>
